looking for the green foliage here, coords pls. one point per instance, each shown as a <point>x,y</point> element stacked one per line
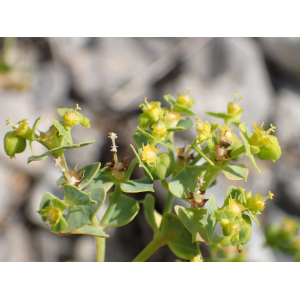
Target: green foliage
<point>178,237</point>
<point>124,212</point>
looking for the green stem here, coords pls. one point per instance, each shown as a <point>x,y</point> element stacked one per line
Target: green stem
<point>238,151</point>
<point>64,163</point>
<point>112,205</point>
<point>100,249</point>
<point>130,169</point>
<point>157,242</point>
<point>169,203</point>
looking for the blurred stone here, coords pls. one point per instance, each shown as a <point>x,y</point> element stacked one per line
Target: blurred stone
<point>85,249</point>
<point>284,51</point>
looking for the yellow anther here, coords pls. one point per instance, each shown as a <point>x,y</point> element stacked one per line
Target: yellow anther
<point>235,94</point>
<point>188,89</point>
<point>8,121</point>
<point>77,107</point>
<point>271,195</point>
<point>273,127</point>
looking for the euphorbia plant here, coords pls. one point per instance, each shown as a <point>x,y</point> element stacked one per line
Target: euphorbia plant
<point>216,145</point>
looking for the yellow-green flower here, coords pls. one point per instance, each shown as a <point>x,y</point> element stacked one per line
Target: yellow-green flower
<point>258,201</point>
<point>260,137</point>
<point>21,129</point>
<point>50,214</point>
<point>172,118</point>
<point>236,207</point>
<point>149,154</point>
<point>160,131</point>
<point>185,99</point>
<point>72,117</point>
<point>234,107</point>
<point>153,109</point>
<point>203,130</point>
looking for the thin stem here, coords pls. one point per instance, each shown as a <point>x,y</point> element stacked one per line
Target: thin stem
<point>157,242</point>
<point>100,249</point>
<point>169,203</point>
<point>64,162</point>
<point>112,205</point>
<point>130,169</point>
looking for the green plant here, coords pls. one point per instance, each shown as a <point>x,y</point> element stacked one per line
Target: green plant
<point>284,238</point>
<point>182,231</point>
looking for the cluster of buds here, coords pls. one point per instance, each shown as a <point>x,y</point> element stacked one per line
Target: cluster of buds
<point>222,152</point>
<point>236,229</point>
<point>72,117</point>
<point>197,198</point>
<point>117,168</point>
<point>203,130</point>
<point>160,131</point>
<point>152,110</point>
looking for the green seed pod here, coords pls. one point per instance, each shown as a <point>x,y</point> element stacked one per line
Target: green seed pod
<point>270,151</point>
<point>163,168</point>
<point>225,241</point>
<point>13,144</point>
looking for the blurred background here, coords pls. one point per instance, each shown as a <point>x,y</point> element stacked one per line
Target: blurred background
<point>109,78</point>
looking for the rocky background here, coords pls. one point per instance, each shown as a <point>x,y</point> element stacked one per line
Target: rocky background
<point>109,78</point>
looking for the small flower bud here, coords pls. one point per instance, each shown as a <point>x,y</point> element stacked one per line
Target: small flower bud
<point>160,131</point>
<point>203,130</point>
<point>185,99</point>
<point>234,107</point>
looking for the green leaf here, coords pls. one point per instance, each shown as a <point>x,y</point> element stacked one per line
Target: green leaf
<point>190,218</point>
<point>74,196</point>
<point>141,164</point>
<point>253,218</point>
<point>104,180</point>
<point>50,200</point>
<point>178,237</point>
<point>89,173</point>
<point>89,230</point>
<point>145,120</point>
<point>59,226</point>
<point>210,220</point>
<point>224,116</point>
<point>59,125</point>
<point>186,179</point>
<point>81,215</point>
<point>149,136</point>
<point>46,154</point>
<point>140,140</point>
<point>183,124</point>
<point>183,109</point>
<point>234,193</point>
<point>249,154</point>
<point>63,111</point>
<point>152,217</point>
<point>214,127</point>
<point>235,172</point>
<point>137,186</point>
<point>170,99</point>
<point>125,211</point>
<point>245,131</point>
